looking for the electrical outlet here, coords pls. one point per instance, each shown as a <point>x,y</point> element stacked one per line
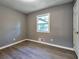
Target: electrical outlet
<point>51,39</point>
<point>14,39</point>
<point>39,39</point>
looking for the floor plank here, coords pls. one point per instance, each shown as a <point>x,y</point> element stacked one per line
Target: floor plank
<point>30,50</point>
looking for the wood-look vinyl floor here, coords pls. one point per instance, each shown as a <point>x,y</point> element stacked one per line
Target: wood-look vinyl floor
<point>30,50</point>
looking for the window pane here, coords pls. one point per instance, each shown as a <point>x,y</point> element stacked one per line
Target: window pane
<point>43,23</point>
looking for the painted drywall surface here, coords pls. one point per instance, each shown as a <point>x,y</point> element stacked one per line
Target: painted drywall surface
<point>60,25</point>
<point>76,27</point>
<point>12,26</point>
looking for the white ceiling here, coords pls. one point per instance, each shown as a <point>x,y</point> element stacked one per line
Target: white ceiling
<point>31,6</point>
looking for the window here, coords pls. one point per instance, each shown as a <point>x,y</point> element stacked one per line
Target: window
<point>43,23</point>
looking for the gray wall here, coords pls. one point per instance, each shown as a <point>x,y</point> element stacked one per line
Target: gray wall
<point>60,25</point>
<point>13,24</point>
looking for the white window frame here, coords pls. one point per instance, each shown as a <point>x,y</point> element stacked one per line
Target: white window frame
<point>48,14</point>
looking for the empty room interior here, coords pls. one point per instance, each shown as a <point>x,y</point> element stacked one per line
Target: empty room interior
<point>39,29</point>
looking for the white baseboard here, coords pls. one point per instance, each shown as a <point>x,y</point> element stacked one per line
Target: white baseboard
<point>54,45</point>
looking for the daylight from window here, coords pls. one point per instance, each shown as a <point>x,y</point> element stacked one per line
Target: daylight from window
<point>43,23</point>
